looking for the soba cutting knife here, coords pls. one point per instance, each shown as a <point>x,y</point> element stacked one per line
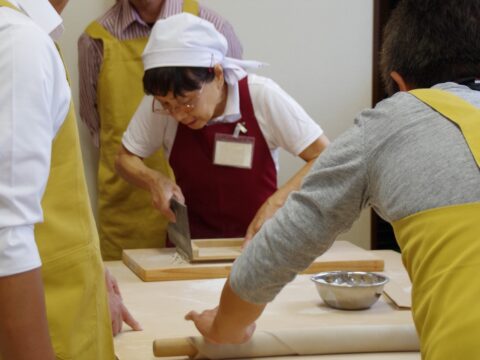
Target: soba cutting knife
<point>179,232</point>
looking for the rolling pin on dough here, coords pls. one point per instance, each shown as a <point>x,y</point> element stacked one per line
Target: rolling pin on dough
<point>174,347</point>
<point>329,339</point>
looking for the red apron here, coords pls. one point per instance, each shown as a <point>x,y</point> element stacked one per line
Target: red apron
<point>222,200</point>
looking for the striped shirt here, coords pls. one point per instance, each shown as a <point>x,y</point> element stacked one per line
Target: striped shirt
<point>123,22</point>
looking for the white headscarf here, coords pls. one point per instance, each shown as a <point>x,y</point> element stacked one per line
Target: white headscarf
<point>187,40</point>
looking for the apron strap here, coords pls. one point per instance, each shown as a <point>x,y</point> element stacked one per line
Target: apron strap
<point>191,6</point>
<point>458,111</point>
<point>9,5</point>
<point>97,31</point>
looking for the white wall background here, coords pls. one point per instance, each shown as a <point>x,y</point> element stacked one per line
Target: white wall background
<point>319,51</point>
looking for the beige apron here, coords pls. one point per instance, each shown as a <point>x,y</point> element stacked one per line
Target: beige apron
<point>441,251</point>
<point>126,217</point>
<point>72,270</point>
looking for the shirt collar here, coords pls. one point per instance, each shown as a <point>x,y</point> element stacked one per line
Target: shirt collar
<point>169,8</point>
<point>232,106</point>
<point>129,15</point>
<point>44,15</point>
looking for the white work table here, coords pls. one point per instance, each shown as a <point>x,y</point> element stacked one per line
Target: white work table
<point>161,306</point>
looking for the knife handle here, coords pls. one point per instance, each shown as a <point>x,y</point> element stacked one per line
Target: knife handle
<point>174,347</point>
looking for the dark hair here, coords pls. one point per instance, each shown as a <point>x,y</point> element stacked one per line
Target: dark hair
<point>162,80</point>
<point>432,41</point>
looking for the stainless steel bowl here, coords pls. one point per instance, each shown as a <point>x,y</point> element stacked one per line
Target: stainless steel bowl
<point>349,290</point>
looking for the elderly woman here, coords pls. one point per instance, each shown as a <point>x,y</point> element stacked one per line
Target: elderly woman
<point>220,128</point>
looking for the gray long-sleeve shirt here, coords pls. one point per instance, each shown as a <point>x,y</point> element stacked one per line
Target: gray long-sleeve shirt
<point>401,157</point>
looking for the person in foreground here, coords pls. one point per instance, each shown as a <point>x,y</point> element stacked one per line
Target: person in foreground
<point>221,131</point>
<point>415,159</point>
<point>53,294</point>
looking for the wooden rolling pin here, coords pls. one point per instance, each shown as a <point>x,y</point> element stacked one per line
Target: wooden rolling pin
<point>356,338</point>
<point>174,347</point>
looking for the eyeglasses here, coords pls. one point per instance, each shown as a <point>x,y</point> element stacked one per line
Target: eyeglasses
<point>159,107</point>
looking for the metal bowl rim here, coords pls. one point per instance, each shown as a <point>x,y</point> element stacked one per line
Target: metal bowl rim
<point>316,280</point>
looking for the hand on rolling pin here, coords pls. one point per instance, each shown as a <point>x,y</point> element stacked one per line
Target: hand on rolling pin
<point>162,190</point>
<point>232,322</point>
<point>118,311</point>
<point>206,324</point>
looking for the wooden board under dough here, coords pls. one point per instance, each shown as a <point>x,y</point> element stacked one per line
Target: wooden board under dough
<point>165,264</point>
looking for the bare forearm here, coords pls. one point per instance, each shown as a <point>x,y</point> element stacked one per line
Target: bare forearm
<point>232,322</point>
<point>235,314</point>
<point>277,199</point>
<point>310,154</point>
<point>24,331</point>
<point>161,188</point>
<point>132,169</point>
<point>292,184</point>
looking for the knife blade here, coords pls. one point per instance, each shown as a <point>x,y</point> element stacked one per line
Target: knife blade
<point>179,232</point>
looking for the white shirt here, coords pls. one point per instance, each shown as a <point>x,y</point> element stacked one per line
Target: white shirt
<point>283,122</point>
<point>34,100</point>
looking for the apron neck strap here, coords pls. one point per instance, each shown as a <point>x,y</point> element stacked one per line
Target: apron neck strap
<point>9,5</point>
<point>191,7</point>
<point>458,111</point>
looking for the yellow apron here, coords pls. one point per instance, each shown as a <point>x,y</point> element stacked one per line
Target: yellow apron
<point>441,251</point>
<point>126,217</point>
<point>72,270</point>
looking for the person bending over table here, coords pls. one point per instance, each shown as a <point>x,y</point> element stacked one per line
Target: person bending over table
<point>220,128</point>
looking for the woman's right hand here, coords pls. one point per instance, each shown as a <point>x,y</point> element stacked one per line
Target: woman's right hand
<point>132,168</point>
<point>162,190</point>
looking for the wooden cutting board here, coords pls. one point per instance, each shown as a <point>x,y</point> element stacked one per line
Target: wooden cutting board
<point>165,264</point>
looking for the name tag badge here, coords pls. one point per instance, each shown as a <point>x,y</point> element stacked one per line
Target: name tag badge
<point>235,151</point>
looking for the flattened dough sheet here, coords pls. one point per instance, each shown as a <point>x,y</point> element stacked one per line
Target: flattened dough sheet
<point>343,339</point>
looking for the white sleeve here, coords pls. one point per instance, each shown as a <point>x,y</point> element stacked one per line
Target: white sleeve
<point>284,123</point>
<point>18,250</point>
<point>146,132</point>
<point>34,96</point>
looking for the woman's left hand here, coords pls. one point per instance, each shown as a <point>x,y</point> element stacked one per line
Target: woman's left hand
<point>276,201</point>
<point>266,211</point>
